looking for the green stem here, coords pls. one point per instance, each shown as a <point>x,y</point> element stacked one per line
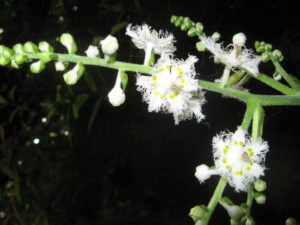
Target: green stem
<point>214,200</point>
<point>225,76</point>
<point>275,84</point>
<point>257,129</point>
<point>263,100</point>
<point>251,106</point>
<point>97,62</point>
<point>291,80</point>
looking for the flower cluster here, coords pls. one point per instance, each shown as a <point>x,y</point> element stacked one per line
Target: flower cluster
<point>235,55</point>
<point>237,157</point>
<point>172,88</point>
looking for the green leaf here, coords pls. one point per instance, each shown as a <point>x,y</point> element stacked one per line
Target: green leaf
<point>79,102</point>
<point>94,113</point>
<point>90,82</point>
<point>116,28</point>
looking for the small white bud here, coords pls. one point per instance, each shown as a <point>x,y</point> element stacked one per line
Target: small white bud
<point>203,172</point>
<point>260,198</point>
<point>92,51</point>
<point>45,47</point>
<point>116,96</point>
<point>1,30</point>
<point>239,39</point>
<point>72,76</point>
<point>36,141</point>
<point>61,66</point>
<point>109,45</point>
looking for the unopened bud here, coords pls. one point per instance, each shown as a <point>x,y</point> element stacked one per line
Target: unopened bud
<point>19,48</point>
<point>45,47</point>
<point>61,66</point>
<point>92,51</point>
<point>68,41</point>
<point>117,96</point>
<point>37,67</point>
<point>239,39</point>
<point>291,221</point>
<point>30,47</point>
<point>109,45</point>
<point>260,185</point>
<point>198,212</point>
<point>4,61</point>
<point>216,36</point>
<point>200,47</point>
<point>260,198</point>
<point>72,76</point>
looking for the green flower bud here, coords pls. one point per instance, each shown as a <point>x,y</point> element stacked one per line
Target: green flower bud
<point>7,52</point>
<point>260,185</point>
<point>200,47</point>
<point>30,47</point>
<point>19,48</point>
<point>37,67</point>
<point>277,55</point>
<point>4,61</point>
<point>291,221</point>
<point>192,32</point>
<point>68,41</point>
<point>173,19</point>
<point>256,44</point>
<point>197,212</point>
<point>179,21</point>
<point>233,222</point>
<point>45,47</point>
<point>13,64</point>
<point>268,47</point>
<point>216,36</point>
<point>72,76</point>
<point>199,26</point>
<point>20,59</point>
<point>260,198</point>
<point>265,57</point>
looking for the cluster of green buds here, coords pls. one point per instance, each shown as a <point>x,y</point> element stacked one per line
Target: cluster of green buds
<point>185,24</point>
<point>266,52</point>
<point>23,53</point>
<point>291,221</point>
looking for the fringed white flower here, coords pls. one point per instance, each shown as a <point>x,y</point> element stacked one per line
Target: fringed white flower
<point>151,40</point>
<point>236,55</point>
<point>239,158</point>
<point>172,88</point>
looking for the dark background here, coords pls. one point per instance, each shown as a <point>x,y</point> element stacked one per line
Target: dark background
<point>135,167</point>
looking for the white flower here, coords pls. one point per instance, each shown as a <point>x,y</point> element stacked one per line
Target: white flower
<point>116,96</point>
<point>172,88</point>
<point>151,40</point>
<point>109,45</point>
<point>239,158</point>
<point>235,55</point>
<point>92,51</point>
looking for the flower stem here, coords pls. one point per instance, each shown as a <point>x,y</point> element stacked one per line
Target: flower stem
<point>225,76</point>
<point>291,80</point>
<point>97,62</point>
<point>251,106</point>
<point>257,129</point>
<point>214,200</point>
<point>275,84</point>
